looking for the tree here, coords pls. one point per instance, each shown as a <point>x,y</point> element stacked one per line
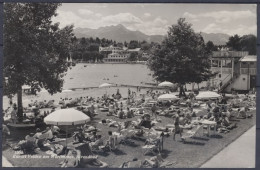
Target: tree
<point>248,43</point>
<point>35,49</point>
<point>133,44</point>
<point>145,46</point>
<point>234,43</point>
<point>210,47</point>
<point>181,58</point>
<point>133,56</point>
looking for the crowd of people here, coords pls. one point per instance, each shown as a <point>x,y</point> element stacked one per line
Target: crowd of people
<point>136,116</point>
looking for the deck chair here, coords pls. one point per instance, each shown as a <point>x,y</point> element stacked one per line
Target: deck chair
<point>192,133</point>
<point>153,149</point>
<point>126,137</point>
<point>69,163</point>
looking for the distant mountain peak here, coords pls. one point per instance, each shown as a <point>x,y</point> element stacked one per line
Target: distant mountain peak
<point>120,33</point>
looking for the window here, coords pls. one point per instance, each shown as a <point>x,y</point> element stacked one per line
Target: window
<point>227,63</point>
<point>219,75</point>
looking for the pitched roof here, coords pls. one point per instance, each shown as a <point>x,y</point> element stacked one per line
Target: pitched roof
<point>249,58</point>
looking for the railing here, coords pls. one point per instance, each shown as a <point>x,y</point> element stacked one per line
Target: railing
<point>224,70</point>
<point>252,71</point>
<point>226,81</point>
<point>229,53</point>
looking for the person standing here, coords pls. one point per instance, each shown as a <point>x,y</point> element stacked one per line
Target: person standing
<point>14,115</point>
<point>154,109</point>
<point>177,126</point>
<point>129,93</point>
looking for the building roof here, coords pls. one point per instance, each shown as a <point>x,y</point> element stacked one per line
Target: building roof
<point>134,50</point>
<point>249,58</point>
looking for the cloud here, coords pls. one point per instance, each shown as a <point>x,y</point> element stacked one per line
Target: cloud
<point>85,12</point>
<point>98,15</point>
<point>121,18</point>
<point>222,16</point>
<point>227,16</point>
<point>236,29</point>
<point>68,17</point>
<point>147,14</point>
<point>152,27</point>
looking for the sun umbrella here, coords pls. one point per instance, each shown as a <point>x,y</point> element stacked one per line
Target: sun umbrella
<point>170,96</point>
<point>68,117</point>
<point>105,85</point>
<point>66,90</point>
<point>166,84</point>
<point>206,95</point>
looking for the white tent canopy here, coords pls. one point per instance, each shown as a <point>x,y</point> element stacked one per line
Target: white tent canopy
<point>170,96</point>
<point>166,84</point>
<point>66,90</point>
<point>206,95</point>
<point>66,117</point>
<point>105,85</point>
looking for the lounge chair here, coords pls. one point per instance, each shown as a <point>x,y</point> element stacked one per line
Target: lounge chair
<point>154,148</point>
<point>69,163</point>
<point>192,133</point>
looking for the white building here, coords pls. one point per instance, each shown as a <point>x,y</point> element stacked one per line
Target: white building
<point>117,54</point>
<point>236,70</point>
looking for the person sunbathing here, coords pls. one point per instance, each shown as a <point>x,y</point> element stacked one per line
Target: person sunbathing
<point>59,149</point>
<point>154,161</point>
<point>242,113</point>
<point>226,123</point>
<point>49,134</point>
<point>80,136</point>
<point>72,161</point>
<point>135,163</point>
<point>97,143</point>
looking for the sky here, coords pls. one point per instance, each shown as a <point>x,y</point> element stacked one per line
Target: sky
<point>155,19</point>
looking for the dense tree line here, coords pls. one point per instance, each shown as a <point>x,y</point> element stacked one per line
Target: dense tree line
<point>243,43</point>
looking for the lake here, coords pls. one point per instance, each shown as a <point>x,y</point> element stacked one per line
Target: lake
<point>92,75</point>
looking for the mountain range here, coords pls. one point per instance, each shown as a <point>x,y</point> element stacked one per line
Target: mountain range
<point>120,33</point>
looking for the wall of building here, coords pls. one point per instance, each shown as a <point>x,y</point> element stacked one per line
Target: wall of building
<point>240,83</point>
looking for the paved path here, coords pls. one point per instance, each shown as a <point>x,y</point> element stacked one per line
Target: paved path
<point>239,154</point>
<point>5,162</point>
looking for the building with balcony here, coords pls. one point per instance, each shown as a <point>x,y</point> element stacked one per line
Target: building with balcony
<point>236,70</point>
<point>119,57</point>
<point>117,54</point>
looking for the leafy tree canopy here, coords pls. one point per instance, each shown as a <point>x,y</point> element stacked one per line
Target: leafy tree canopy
<point>35,49</point>
<point>182,58</point>
<point>244,43</point>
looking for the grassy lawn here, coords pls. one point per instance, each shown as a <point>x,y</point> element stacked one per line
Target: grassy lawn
<point>189,155</point>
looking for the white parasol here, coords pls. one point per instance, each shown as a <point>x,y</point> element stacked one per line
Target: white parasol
<point>170,96</point>
<point>66,117</point>
<point>166,84</point>
<point>207,95</point>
